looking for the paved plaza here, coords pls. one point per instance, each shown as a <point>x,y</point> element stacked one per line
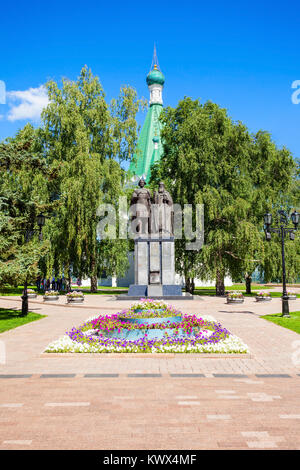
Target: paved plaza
<point>120,401</point>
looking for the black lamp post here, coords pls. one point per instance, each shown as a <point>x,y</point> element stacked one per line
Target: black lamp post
<point>282,230</point>
<point>41,222</point>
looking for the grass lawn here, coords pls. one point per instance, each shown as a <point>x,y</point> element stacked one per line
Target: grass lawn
<point>292,323</point>
<point>102,290</point>
<point>10,318</point>
<point>9,290</point>
<point>235,287</point>
<point>106,290</point>
<point>255,288</point>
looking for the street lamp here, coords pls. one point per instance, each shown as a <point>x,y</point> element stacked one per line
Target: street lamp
<point>41,222</point>
<point>282,230</point>
<point>295,219</point>
<point>268,219</point>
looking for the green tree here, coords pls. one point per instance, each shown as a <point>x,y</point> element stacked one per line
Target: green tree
<point>87,140</point>
<point>24,178</point>
<point>209,159</point>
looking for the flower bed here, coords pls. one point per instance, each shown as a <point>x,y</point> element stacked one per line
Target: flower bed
<point>143,311</point>
<point>51,295</point>
<point>114,334</point>
<point>75,296</point>
<point>292,295</point>
<point>31,294</point>
<point>263,296</point>
<point>235,298</point>
<point>149,304</point>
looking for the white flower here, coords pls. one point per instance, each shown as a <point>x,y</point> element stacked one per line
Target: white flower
<point>230,345</point>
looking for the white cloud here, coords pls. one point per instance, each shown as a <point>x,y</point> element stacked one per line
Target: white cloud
<point>29,103</point>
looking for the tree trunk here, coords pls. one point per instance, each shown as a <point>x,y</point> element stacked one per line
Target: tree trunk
<point>189,285</point>
<point>94,277</point>
<point>220,286</point>
<point>248,280</point>
<point>25,300</point>
<point>69,286</point>
<point>94,283</point>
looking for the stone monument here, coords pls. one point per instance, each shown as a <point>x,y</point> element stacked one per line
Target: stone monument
<point>152,227</point>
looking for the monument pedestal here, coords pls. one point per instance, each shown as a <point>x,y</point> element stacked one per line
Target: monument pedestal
<point>154,270</point>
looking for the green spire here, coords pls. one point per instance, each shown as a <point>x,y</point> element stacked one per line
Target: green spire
<point>149,146</point>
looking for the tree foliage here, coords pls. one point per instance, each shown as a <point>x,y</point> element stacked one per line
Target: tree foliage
<point>87,140</point>
<point>24,179</point>
<point>210,159</point>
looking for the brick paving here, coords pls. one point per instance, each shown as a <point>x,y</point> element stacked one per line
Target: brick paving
<point>149,413</point>
<point>134,402</point>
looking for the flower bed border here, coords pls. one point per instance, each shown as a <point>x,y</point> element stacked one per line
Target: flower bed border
<point>263,299</point>
<point>172,355</point>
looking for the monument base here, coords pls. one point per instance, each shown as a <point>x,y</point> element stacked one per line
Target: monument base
<point>185,296</point>
<point>155,291</point>
<point>159,290</point>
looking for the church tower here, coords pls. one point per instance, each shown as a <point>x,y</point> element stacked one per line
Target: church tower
<point>149,146</point>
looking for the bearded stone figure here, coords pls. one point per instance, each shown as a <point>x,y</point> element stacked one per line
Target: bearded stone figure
<point>162,212</point>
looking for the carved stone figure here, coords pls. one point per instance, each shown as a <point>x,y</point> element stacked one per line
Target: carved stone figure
<point>162,212</point>
<point>141,209</point>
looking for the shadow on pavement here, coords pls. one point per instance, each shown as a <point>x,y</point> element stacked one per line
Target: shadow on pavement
<point>236,311</point>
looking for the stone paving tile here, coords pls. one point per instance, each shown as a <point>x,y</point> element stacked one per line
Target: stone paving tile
<point>187,375</point>
<point>100,375</point>
<point>51,376</point>
<point>15,376</point>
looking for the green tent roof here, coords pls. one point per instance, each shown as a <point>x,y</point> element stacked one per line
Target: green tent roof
<point>147,154</point>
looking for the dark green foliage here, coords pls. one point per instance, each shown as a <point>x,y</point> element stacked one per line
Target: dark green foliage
<point>209,159</point>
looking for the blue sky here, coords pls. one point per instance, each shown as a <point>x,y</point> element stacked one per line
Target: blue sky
<point>242,55</point>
